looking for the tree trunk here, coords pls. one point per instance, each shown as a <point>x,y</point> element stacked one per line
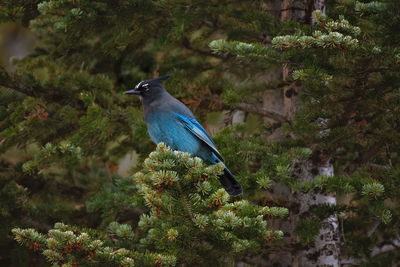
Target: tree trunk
<point>326,248</point>
<point>325,251</point>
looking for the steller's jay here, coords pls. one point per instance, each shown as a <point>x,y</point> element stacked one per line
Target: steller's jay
<point>170,121</point>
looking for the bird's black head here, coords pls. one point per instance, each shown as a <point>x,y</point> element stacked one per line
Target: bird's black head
<point>148,88</point>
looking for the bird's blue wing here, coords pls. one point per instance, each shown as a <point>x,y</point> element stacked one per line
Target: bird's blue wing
<point>195,128</point>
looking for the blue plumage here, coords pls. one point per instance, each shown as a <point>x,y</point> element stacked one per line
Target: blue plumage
<point>170,121</point>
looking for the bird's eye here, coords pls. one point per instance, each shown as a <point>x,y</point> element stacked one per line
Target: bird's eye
<point>146,87</point>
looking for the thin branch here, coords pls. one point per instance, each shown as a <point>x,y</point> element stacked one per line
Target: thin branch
<point>388,155</point>
<point>36,90</point>
<point>342,228</point>
<point>29,222</point>
<point>292,9</point>
<point>373,228</point>
<point>372,151</point>
<point>351,261</point>
<point>374,165</point>
<point>262,111</point>
<point>205,52</point>
<point>386,246</point>
<point>9,82</point>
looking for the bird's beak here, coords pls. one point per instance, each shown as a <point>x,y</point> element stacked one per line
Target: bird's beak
<point>132,92</point>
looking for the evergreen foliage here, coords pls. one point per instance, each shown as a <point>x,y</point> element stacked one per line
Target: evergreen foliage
<point>188,212</point>
<point>66,246</point>
<point>66,128</point>
<point>350,75</point>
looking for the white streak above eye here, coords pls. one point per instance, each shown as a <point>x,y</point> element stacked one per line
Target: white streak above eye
<point>138,85</point>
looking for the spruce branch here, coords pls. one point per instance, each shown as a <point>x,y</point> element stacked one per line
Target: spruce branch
<point>193,190</point>
<point>28,86</point>
<point>244,50</point>
<point>69,246</point>
<point>332,40</point>
<point>10,82</point>
<point>362,8</point>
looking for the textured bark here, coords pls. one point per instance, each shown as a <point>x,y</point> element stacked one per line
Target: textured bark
<point>238,116</point>
<point>273,101</point>
<point>301,10</point>
<point>326,248</point>
<point>325,251</point>
<point>279,106</point>
<point>290,102</point>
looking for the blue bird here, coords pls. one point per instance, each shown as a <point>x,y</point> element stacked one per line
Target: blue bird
<point>170,121</point>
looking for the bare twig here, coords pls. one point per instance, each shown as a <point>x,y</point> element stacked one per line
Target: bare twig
<point>262,111</point>
<point>386,246</point>
<point>373,228</point>
<point>388,155</point>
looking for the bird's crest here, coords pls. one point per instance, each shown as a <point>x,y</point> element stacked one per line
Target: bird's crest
<point>159,79</point>
<point>145,84</point>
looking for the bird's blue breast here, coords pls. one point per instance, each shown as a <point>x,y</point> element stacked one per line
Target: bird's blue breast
<point>168,128</point>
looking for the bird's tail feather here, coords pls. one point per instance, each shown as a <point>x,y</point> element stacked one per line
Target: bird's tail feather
<point>230,183</point>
